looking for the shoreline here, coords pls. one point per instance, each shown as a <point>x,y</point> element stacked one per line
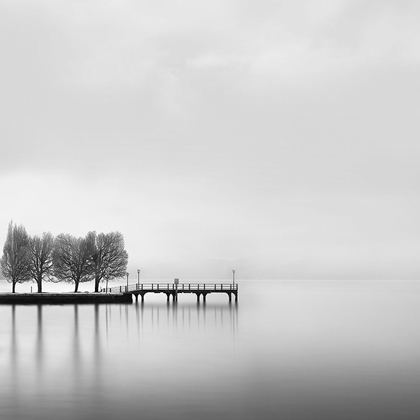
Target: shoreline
<point>63,298</point>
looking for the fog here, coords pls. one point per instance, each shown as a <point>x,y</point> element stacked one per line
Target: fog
<point>275,138</point>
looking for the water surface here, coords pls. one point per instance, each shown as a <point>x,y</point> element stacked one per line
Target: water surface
<point>288,349</point>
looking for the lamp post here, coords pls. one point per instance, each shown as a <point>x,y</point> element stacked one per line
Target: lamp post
<point>233,278</point>
<point>138,276</point>
<point>127,280</point>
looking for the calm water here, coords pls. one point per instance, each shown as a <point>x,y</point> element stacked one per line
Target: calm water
<point>287,350</point>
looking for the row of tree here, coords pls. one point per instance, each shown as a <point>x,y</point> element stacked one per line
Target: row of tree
<point>97,257</point>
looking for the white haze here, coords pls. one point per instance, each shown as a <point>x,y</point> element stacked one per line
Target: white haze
<point>276,138</point>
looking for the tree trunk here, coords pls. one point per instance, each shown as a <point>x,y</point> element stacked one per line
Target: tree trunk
<point>13,286</point>
<point>39,285</point>
<point>97,280</point>
<point>76,287</point>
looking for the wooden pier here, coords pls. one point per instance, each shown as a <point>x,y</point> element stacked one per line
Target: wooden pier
<point>173,290</point>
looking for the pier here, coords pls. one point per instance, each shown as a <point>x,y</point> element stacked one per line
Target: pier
<point>201,290</point>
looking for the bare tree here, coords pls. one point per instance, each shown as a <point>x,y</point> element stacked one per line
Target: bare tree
<point>109,258</point>
<point>14,263</point>
<point>72,259</point>
<point>40,253</point>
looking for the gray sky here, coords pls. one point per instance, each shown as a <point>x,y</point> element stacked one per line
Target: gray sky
<point>278,138</point>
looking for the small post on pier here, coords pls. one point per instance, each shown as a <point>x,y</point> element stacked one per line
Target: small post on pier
<point>127,274</point>
<point>233,278</point>
<point>176,282</point>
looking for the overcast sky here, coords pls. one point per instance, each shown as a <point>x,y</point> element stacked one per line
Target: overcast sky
<point>277,138</point>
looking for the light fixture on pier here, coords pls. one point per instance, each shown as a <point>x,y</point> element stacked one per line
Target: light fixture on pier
<point>138,276</point>
<point>127,280</point>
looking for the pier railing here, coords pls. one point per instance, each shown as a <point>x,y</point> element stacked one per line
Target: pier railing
<point>181,287</point>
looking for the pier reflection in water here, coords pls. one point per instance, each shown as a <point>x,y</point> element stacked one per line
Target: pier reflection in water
<point>110,361</point>
<point>294,350</point>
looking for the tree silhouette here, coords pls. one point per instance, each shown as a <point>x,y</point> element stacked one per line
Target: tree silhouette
<point>40,254</point>
<point>15,262</point>
<point>72,259</point>
<point>109,258</point>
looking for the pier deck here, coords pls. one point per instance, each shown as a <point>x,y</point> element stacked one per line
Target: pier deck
<point>171,289</point>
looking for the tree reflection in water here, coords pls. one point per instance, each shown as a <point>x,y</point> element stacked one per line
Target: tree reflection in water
<point>86,356</point>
